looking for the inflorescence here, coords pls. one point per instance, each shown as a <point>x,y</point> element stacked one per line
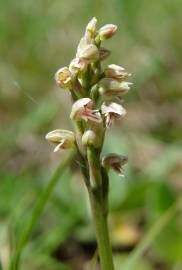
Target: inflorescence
<point>96,94</point>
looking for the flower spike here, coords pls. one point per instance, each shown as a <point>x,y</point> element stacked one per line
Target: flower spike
<point>96,92</point>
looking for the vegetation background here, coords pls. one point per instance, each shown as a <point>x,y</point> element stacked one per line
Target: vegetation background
<point>37,38</point>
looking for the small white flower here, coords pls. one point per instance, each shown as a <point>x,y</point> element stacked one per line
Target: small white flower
<point>63,139</point>
<point>112,111</point>
<point>115,162</point>
<point>82,109</point>
<point>63,77</point>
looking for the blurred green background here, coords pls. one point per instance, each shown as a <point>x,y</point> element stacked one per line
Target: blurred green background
<point>37,38</point>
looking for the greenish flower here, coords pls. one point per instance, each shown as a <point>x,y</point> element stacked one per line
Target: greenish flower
<point>64,139</point>
<point>115,162</point>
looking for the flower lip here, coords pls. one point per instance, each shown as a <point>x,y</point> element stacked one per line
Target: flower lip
<point>82,109</point>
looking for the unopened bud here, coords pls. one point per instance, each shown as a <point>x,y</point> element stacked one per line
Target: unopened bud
<point>107,31</point>
<point>91,27</point>
<point>94,92</point>
<point>94,136</point>
<point>63,139</point>
<point>115,162</point>
<point>116,72</point>
<point>89,138</point>
<point>63,77</point>
<point>112,87</point>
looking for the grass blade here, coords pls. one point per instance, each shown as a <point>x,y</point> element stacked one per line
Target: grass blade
<point>37,211</point>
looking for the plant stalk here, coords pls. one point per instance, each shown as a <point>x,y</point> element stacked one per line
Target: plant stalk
<point>101,229</point>
<point>99,212</point>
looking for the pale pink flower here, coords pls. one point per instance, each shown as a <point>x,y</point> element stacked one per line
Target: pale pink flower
<point>82,109</point>
<point>112,111</point>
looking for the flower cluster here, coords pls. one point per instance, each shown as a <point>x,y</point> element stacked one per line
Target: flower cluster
<point>96,95</point>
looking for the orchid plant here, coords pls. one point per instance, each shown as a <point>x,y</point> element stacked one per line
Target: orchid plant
<point>97,96</point>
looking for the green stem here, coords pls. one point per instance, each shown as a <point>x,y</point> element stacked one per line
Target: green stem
<point>99,212</point>
<point>37,211</point>
<point>101,228</point>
